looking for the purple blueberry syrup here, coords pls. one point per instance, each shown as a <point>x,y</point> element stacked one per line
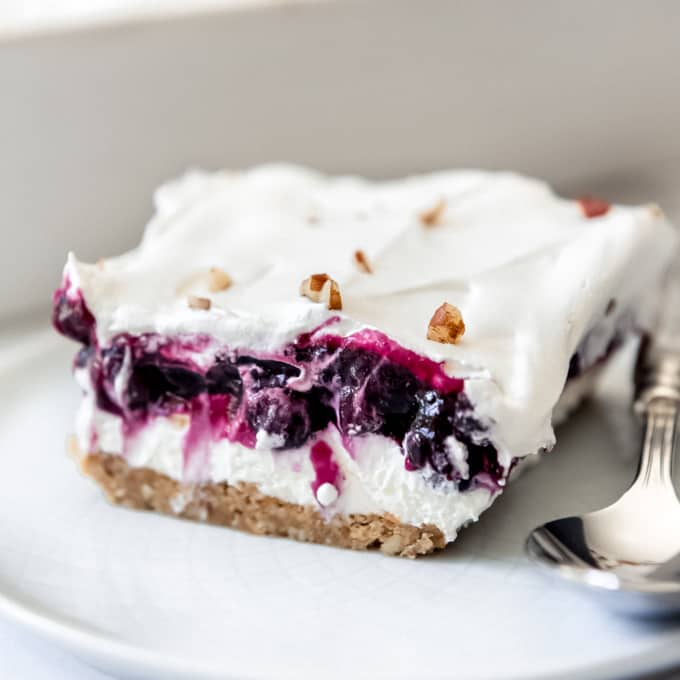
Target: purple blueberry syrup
<point>70,315</point>
<point>326,470</point>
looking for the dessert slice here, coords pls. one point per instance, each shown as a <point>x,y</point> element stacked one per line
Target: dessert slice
<point>346,362</point>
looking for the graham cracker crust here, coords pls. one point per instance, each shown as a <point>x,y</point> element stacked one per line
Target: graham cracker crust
<point>243,507</point>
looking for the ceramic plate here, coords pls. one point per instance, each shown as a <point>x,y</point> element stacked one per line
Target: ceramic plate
<point>140,595</point>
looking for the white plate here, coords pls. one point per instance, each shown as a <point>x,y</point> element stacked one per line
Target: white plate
<point>140,595</point>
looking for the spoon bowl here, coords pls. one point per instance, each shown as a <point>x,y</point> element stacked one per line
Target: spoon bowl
<point>629,552</point>
<point>633,570</point>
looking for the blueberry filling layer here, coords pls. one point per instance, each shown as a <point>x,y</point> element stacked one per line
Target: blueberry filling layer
<point>361,384</point>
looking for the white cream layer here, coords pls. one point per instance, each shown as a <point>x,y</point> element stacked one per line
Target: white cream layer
<point>374,481</point>
<point>530,273</point>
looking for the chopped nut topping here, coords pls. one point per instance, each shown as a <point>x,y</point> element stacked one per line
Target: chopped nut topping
<point>330,295</point>
<point>317,282</point>
<point>312,286</point>
<point>321,288</point>
<point>196,302</point>
<point>433,216</point>
<point>218,280</point>
<point>446,325</point>
<point>362,262</point>
<point>593,207</point>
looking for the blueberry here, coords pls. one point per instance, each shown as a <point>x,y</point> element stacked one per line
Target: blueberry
<point>391,393</point>
<point>481,458</point>
<point>461,416</point>
<point>392,389</point>
<point>308,354</point>
<point>418,447</point>
<point>346,375</point>
<point>320,405</point>
<point>84,356</point>
<point>104,369</point>
<point>155,384</point>
<point>355,416</point>
<point>437,418</point>
<point>224,378</point>
<point>349,368</point>
<point>72,318</point>
<point>375,395</point>
<point>268,372</point>
<point>429,404</point>
<point>281,413</point>
<point>182,382</point>
<point>428,411</point>
<point>439,460</point>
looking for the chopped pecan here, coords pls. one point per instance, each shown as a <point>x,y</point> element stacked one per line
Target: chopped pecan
<point>312,286</point>
<point>218,280</point>
<point>433,216</point>
<point>196,302</point>
<point>362,261</point>
<point>593,207</point>
<point>446,324</point>
<point>321,288</point>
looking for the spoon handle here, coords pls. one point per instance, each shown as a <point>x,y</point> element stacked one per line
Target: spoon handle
<point>657,382</point>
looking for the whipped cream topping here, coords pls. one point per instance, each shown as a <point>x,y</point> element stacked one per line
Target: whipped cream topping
<point>529,272</point>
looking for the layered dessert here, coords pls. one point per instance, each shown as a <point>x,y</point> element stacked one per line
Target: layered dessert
<point>348,362</point>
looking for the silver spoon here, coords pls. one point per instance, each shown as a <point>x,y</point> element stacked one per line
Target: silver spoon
<point>629,553</point>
